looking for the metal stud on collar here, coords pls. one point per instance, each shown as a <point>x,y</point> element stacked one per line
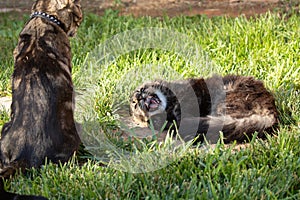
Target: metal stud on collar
<point>49,17</point>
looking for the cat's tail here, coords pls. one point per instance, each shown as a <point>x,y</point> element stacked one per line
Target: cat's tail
<point>233,129</point>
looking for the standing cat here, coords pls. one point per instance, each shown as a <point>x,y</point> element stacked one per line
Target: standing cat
<point>236,105</point>
<point>42,123</point>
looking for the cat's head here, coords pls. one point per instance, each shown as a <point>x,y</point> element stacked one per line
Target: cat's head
<point>67,11</point>
<point>148,100</point>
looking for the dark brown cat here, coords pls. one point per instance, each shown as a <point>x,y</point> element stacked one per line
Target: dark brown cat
<point>42,123</point>
<point>236,105</point>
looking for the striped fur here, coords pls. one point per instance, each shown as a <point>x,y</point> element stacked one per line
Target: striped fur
<point>42,123</point>
<point>238,106</point>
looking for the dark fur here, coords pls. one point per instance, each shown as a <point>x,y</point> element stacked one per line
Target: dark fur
<point>42,123</point>
<point>236,105</point>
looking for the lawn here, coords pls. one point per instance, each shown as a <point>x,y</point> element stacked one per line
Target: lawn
<point>113,54</point>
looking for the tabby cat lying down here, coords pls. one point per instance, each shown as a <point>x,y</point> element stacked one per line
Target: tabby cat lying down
<point>238,106</point>
<point>42,123</point>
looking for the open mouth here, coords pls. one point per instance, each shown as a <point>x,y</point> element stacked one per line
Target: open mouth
<point>152,103</point>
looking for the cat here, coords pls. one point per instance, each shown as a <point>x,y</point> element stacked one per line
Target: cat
<point>238,106</point>
<point>42,124</point>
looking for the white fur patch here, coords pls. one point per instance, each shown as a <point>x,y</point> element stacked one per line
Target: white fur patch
<point>163,103</point>
<point>162,98</point>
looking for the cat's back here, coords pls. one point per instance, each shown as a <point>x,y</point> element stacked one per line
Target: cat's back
<point>247,96</point>
<point>41,39</point>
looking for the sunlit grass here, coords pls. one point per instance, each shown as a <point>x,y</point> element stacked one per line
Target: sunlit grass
<point>266,47</point>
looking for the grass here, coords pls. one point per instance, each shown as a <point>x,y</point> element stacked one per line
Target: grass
<point>113,54</point>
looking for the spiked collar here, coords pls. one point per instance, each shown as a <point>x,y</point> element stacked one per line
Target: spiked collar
<point>48,17</point>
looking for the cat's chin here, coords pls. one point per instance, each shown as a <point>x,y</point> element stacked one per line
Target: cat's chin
<point>158,110</point>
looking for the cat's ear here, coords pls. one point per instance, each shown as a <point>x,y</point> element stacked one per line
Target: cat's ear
<point>77,12</point>
<point>76,2</point>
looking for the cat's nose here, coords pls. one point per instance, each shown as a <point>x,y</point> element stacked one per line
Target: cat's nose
<point>144,95</point>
